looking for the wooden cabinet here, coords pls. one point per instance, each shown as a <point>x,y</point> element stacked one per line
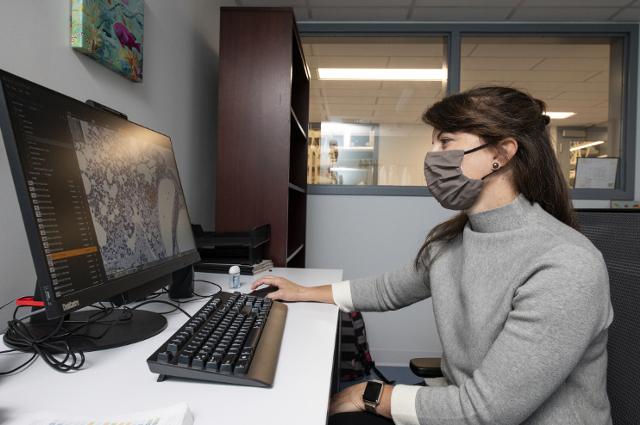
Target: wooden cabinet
<point>263,119</point>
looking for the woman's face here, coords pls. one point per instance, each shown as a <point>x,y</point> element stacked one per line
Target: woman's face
<point>475,165</point>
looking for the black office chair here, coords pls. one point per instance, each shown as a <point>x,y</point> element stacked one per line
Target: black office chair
<point>426,367</point>
<point>616,233</point>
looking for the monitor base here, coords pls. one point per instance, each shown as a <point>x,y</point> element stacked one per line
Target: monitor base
<point>133,326</point>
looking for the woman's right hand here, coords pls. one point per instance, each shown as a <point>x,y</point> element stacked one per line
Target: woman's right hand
<point>287,290</point>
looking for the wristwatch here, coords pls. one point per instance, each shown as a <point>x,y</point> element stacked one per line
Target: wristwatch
<point>372,395</point>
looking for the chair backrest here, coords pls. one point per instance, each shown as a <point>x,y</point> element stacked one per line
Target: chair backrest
<point>616,233</point>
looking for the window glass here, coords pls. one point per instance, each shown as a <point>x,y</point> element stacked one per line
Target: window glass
<point>579,78</point>
<point>366,101</point>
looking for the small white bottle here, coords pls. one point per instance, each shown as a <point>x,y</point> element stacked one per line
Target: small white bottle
<point>234,277</point>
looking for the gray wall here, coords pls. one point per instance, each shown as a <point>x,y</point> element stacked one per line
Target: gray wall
<point>368,235</point>
<point>177,97</point>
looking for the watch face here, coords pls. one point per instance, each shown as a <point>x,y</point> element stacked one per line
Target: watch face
<point>372,391</point>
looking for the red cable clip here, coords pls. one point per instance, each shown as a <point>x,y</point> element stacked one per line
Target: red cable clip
<point>29,302</point>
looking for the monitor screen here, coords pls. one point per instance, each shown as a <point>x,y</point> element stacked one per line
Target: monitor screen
<point>101,196</point>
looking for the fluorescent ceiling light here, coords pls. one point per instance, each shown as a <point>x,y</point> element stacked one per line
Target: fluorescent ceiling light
<point>587,145</point>
<point>346,169</point>
<point>377,74</point>
<point>559,115</point>
<point>356,148</point>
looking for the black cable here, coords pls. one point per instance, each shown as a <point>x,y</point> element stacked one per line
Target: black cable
<point>23,365</point>
<point>161,302</point>
<point>111,323</point>
<point>4,305</point>
<point>53,345</point>
<point>154,295</point>
<point>201,296</point>
<point>190,300</point>
<point>47,347</point>
<point>167,312</point>
<point>210,283</point>
<point>106,311</point>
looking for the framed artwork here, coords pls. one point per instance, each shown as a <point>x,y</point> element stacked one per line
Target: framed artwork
<point>111,32</point>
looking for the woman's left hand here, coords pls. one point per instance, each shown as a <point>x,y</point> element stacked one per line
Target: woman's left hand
<point>348,400</point>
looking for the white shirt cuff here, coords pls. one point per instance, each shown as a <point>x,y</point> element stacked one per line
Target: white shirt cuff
<point>342,295</point>
<point>403,404</point>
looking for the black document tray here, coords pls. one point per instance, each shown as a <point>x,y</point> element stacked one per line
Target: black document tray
<point>232,247</point>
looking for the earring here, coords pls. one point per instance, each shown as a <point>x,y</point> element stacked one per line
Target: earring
<point>495,165</point>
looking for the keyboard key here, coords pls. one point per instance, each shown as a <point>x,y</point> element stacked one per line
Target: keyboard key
<point>241,368</point>
<point>227,363</point>
<point>173,346</point>
<point>199,361</point>
<point>214,363</point>
<point>165,356</point>
<point>185,358</point>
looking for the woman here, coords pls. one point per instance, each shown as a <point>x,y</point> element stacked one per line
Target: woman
<point>520,297</point>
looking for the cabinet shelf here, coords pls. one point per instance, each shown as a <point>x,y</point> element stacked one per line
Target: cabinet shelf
<point>299,52</point>
<point>246,134</point>
<point>294,253</point>
<point>295,119</point>
<point>296,188</point>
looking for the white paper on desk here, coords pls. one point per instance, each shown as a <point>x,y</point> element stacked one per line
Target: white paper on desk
<point>177,414</point>
<point>596,173</point>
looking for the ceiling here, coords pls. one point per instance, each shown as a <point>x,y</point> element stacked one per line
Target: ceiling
<point>569,77</point>
<point>459,10</point>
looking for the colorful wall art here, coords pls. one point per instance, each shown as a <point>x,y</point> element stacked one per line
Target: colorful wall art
<point>111,32</point>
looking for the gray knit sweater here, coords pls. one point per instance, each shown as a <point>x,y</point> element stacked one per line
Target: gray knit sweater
<point>521,303</point>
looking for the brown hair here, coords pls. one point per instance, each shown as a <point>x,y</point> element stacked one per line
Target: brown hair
<point>495,114</point>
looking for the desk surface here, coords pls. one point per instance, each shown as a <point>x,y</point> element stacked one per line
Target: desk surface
<point>119,381</point>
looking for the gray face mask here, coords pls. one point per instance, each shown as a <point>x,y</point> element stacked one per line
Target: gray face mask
<point>445,180</point>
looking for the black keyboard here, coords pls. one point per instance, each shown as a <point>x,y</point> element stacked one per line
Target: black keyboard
<point>234,339</point>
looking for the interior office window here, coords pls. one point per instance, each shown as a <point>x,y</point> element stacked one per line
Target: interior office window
<point>366,101</point>
<point>579,78</point>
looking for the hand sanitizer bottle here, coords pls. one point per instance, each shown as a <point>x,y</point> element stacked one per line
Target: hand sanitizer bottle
<point>234,277</point>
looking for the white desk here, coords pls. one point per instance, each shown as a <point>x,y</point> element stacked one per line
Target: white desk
<point>118,380</point>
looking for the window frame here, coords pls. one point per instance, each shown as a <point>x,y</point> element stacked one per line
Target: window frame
<point>453,34</point>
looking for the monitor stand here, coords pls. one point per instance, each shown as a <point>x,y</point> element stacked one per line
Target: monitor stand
<point>133,326</point>
<point>122,326</point>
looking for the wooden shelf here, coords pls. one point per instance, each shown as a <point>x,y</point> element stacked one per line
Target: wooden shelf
<point>294,253</point>
<point>249,135</point>
<point>296,188</point>
<point>299,52</point>
<point>298,156</point>
<point>298,125</point>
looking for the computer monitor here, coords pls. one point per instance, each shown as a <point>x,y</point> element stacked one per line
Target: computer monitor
<point>102,204</point>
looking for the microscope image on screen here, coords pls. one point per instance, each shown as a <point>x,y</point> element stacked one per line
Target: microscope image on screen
<point>133,190</point>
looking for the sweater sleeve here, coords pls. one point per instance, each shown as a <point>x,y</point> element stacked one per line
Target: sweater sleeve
<point>390,291</point>
<point>556,315</point>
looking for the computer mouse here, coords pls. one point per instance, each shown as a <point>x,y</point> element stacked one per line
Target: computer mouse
<point>262,292</point>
